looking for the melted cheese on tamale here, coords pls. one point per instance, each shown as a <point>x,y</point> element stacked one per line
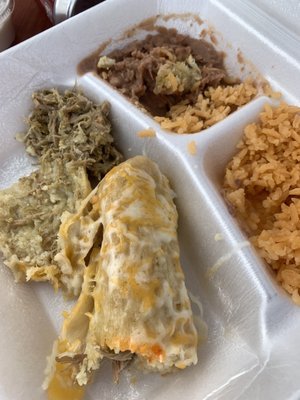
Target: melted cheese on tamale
<point>133,283</point>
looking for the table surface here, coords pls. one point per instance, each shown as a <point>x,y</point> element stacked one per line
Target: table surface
<point>29,19</point>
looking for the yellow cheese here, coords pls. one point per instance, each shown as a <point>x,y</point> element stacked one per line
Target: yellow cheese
<point>59,389</point>
<point>133,297</point>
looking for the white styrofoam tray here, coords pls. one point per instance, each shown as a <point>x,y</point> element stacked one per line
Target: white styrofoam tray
<point>252,350</point>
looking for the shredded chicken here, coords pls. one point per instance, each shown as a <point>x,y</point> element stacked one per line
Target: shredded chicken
<point>71,138</point>
<point>71,127</point>
<point>30,212</point>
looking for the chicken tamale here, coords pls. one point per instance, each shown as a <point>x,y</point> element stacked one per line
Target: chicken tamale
<point>134,307</point>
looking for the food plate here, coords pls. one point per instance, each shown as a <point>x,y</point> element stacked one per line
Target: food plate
<point>252,349</point>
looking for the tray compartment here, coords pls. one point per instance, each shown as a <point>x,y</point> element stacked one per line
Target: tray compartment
<point>249,322</point>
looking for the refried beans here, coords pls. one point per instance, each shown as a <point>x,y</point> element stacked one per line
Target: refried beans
<point>186,65</point>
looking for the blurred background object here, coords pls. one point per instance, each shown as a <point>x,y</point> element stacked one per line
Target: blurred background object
<point>7,32</point>
<point>31,17</point>
<point>60,10</point>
